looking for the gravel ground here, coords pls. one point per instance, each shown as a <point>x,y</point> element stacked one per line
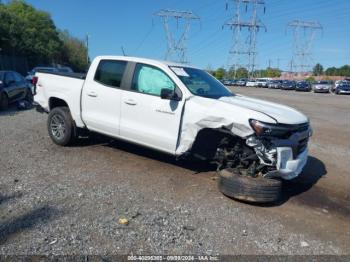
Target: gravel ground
<point>56,200</point>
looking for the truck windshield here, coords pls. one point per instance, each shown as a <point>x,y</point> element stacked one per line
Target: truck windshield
<point>200,83</point>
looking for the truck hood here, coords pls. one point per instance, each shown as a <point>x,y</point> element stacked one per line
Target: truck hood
<point>281,113</point>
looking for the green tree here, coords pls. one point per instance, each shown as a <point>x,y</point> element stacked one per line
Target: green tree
<point>318,70</point>
<point>242,72</point>
<point>73,52</point>
<point>272,72</point>
<point>27,31</point>
<point>220,73</point>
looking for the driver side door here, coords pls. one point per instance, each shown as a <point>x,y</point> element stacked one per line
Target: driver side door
<point>146,118</point>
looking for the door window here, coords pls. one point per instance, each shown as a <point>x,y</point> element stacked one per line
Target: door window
<point>18,78</point>
<point>110,72</point>
<point>9,78</point>
<point>150,80</point>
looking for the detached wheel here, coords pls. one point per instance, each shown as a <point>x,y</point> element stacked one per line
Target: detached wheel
<point>249,189</point>
<point>4,101</point>
<point>61,126</point>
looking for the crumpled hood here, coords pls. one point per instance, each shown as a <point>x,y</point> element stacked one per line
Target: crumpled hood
<point>282,114</point>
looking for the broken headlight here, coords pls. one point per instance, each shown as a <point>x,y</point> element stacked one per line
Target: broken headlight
<point>266,129</point>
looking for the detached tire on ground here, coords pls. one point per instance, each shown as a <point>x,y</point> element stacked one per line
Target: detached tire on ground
<point>61,126</point>
<point>249,189</point>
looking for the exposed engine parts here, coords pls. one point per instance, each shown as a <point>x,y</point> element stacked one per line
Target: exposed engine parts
<point>264,149</point>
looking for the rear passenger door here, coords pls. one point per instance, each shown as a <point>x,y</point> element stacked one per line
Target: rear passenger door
<point>101,98</point>
<point>21,86</point>
<point>10,86</point>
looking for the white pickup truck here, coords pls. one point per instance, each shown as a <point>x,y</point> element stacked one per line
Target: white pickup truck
<point>180,110</point>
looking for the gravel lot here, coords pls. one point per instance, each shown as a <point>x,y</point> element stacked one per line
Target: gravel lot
<point>56,200</point>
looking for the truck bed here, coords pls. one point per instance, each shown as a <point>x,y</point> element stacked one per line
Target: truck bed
<point>73,75</point>
<point>52,86</point>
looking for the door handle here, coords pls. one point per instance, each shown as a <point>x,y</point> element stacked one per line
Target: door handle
<point>130,102</point>
<point>92,94</point>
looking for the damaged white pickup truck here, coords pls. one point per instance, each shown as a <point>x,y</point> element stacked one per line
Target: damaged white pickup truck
<point>180,110</point>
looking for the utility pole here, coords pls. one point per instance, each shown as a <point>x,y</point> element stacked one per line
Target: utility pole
<point>302,54</point>
<point>243,53</point>
<point>87,48</point>
<point>177,48</point>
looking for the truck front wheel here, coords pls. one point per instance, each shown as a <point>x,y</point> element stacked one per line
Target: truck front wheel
<point>249,189</point>
<point>61,126</point>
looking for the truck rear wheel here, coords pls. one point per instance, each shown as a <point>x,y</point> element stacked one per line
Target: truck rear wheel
<point>249,189</point>
<point>61,126</point>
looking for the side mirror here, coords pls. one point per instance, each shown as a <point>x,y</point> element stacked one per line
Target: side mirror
<point>169,94</point>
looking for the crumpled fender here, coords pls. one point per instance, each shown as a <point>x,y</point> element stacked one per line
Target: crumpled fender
<point>202,113</point>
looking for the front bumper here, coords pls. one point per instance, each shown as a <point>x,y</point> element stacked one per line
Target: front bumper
<point>343,91</point>
<point>319,90</point>
<point>287,167</point>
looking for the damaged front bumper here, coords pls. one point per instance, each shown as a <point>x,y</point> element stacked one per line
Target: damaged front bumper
<point>287,167</point>
<point>285,157</point>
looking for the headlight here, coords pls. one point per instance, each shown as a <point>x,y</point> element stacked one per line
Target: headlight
<point>265,129</point>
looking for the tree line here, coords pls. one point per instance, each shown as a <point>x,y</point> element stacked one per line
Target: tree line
<point>344,70</point>
<point>222,73</point>
<point>26,31</point>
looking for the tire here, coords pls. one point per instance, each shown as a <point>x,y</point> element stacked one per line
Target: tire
<point>4,101</point>
<point>61,127</point>
<point>249,189</point>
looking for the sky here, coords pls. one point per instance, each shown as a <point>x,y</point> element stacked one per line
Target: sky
<point>132,24</point>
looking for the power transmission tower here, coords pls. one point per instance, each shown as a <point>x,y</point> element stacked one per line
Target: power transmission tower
<point>243,53</point>
<point>304,33</point>
<point>177,47</point>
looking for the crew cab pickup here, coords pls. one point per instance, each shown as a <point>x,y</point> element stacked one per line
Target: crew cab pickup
<point>177,109</point>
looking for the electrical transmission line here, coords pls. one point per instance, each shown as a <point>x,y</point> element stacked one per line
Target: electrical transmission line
<point>177,47</point>
<point>243,53</point>
<point>304,33</point>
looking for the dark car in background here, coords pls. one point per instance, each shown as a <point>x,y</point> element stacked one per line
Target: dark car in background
<point>322,86</point>
<point>61,69</point>
<point>288,85</point>
<point>13,88</point>
<point>274,84</point>
<point>343,88</point>
<point>303,86</point>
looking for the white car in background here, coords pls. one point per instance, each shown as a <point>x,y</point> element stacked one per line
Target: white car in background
<point>251,83</point>
<point>262,82</point>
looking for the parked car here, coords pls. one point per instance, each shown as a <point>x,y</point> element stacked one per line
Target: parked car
<point>31,73</point>
<point>241,82</point>
<point>337,83</point>
<point>343,88</point>
<point>274,84</point>
<point>13,88</point>
<point>322,87</point>
<point>180,110</point>
<point>262,82</point>
<point>65,69</point>
<point>303,86</point>
<point>288,85</point>
<point>251,83</point>
<point>228,82</point>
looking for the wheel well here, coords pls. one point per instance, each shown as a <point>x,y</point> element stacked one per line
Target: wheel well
<point>56,102</point>
<point>208,140</point>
